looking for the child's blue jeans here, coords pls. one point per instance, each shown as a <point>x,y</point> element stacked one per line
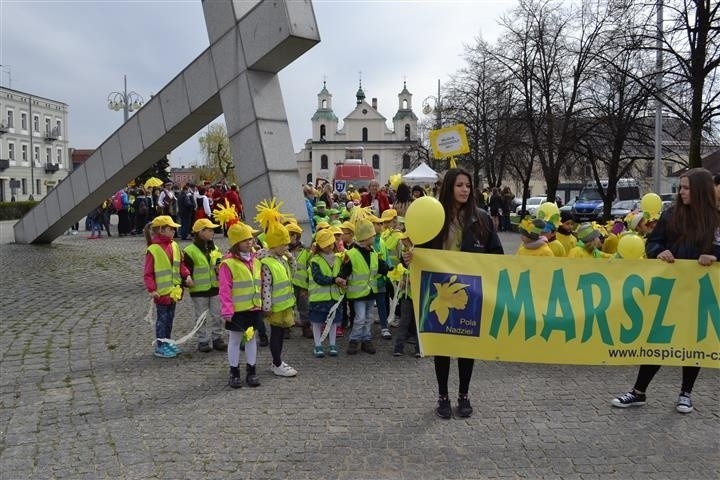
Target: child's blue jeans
<point>361,331</point>
<point>164,322</point>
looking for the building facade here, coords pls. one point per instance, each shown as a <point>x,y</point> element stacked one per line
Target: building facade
<point>34,154</point>
<point>385,149</point>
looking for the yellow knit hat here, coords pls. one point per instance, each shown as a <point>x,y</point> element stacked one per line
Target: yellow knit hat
<point>324,238</point>
<point>269,217</point>
<point>239,232</point>
<point>364,230</point>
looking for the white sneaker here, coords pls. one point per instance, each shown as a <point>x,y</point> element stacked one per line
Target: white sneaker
<point>284,370</point>
<point>394,323</point>
<point>385,333</point>
<point>684,403</point>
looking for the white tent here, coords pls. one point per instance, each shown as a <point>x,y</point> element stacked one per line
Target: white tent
<point>422,174</point>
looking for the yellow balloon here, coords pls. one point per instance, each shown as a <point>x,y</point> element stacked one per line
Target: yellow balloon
<point>651,203</point>
<point>631,247</point>
<point>424,219</point>
<point>549,212</point>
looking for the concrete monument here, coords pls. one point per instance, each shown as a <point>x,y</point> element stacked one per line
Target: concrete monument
<point>250,42</point>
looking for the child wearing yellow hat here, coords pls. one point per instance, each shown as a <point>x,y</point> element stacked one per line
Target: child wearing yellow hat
<point>300,276</point>
<point>164,275</point>
<point>348,313</point>
<point>381,299</point>
<point>361,267</point>
<point>278,299</point>
<point>325,286</point>
<point>589,243</point>
<point>202,258</point>
<point>239,289</point>
<point>533,243</point>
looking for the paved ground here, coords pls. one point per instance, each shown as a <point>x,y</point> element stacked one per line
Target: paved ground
<point>81,396</point>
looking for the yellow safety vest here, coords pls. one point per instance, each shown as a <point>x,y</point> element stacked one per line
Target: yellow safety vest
<point>166,275</point>
<point>246,284</point>
<point>300,278</point>
<point>324,293</point>
<point>282,291</point>
<point>363,279</point>
<point>204,276</point>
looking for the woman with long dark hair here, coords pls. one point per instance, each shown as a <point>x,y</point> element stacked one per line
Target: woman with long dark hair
<point>467,228</point>
<point>402,199</point>
<point>690,230</point>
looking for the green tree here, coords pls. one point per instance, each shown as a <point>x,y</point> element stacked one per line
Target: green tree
<point>160,169</point>
<point>215,147</point>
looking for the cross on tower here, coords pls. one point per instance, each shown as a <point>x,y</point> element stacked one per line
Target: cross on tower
<point>250,42</point>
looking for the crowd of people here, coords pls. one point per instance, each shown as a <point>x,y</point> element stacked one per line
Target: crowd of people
<point>359,259</point>
<point>136,207</point>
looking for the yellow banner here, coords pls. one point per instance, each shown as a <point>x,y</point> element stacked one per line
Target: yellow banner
<point>556,310</point>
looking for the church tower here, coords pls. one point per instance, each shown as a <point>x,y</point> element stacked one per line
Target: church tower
<point>405,120</point>
<point>324,121</point>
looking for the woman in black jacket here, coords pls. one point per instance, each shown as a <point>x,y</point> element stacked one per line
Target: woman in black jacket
<point>467,228</point>
<point>689,230</point>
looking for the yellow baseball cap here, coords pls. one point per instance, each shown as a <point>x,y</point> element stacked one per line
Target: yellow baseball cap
<point>324,238</point>
<point>293,228</point>
<point>322,225</point>
<point>202,224</point>
<point>388,214</point>
<point>164,221</point>
<point>348,226</point>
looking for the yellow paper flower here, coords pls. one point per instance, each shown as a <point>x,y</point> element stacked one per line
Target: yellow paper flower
<point>215,255</point>
<point>225,214</point>
<point>248,335</point>
<point>176,293</point>
<point>397,273</point>
<point>449,295</point>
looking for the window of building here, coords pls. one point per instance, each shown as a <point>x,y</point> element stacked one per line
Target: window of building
<point>364,134</point>
<point>36,154</point>
<point>57,127</point>
<point>649,169</point>
<point>11,151</point>
<point>23,120</point>
<point>48,155</point>
<point>406,161</point>
<point>668,170</point>
<point>59,156</point>
<point>376,161</point>
<point>324,103</point>
<point>23,186</point>
<point>37,186</point>
<point>322,133</point>
<point>47,125</point>
<point>24,153</point>
<point>407,131</point>
<point>323,162</point>
<point>36,123</point>
<point>10,119</point>
<point>587,170</point>
<point>404,104</point>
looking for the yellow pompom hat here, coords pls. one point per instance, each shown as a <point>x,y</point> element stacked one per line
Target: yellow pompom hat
<point>324,238</point>
<point>364,230</point>
<point>239,232</point>
<point>269,218</point>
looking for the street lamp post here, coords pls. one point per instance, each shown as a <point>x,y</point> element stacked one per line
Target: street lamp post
<point>435,107</point>
<point>128,101</point>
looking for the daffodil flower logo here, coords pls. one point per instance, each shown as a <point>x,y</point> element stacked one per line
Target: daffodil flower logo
<point>449,295</point>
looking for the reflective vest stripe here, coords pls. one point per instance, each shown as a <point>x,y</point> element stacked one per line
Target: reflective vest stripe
<point>204,277</point>
<point>300,277</point>
<point>282,296</point>
<point>324,293</point>
<point>246,284</point>
<point>166,275</point>
<point>362,281</point>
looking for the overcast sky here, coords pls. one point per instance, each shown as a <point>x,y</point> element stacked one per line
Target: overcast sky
<point>77,52</point>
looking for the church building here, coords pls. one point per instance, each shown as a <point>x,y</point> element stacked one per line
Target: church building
<point>387,151</point>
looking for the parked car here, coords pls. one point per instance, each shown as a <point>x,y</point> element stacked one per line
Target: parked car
<point>623,207</point>
<point>667,200</point>
<point>568,206</point>
<point>531,205</point>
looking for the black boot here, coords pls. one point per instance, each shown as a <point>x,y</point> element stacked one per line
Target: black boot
<point>251,379</point>
<point>235,381</point>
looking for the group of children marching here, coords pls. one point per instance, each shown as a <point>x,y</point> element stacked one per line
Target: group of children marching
<point>270,275</point>
<point>558,235</point>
